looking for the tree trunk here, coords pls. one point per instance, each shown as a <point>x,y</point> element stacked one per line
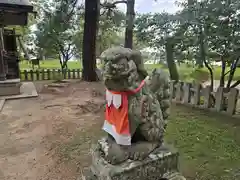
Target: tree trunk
<point>199,61</point>
<point>210,72</point>
<point>129,24</point>
<point>170,60</point>
<point>60,61</point>
<point>24,49</point>
<point>222,78</point>
<point>232,72</point>
<point>202,57</point>
<point>235,84</point>
<point>89,40</point>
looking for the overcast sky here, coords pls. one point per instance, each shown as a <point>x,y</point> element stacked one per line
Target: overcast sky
<point>146,6</point>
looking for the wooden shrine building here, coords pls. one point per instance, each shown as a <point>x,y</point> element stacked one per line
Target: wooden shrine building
<point>12,13</point>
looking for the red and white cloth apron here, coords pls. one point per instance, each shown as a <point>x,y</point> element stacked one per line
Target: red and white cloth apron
<point>116,116</point>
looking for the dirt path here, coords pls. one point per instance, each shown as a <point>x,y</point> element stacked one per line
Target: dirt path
<point>40,137</point>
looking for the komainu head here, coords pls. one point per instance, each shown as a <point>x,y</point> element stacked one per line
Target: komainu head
<point>122,66</point>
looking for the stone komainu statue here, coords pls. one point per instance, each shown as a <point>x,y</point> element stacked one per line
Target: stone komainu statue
<point>137,105</point>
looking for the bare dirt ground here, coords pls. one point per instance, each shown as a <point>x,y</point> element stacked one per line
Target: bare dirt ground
<point>48,138</point>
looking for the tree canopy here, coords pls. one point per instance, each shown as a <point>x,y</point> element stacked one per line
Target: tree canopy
<point>203,32</point>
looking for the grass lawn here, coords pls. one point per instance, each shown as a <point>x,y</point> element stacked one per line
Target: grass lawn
<point>202,74</point>
<point>51,64</point>
<point>209,144</point>
<point>189,73</point>
<point>186,73</point>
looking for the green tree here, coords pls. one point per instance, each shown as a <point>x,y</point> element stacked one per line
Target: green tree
<point>108,33</point>
<point>130,17</point>
<point>56,31</point>
<point>110,28</point>
<point>216,24</point>
<point>203,30</point>
<point>160,30</point>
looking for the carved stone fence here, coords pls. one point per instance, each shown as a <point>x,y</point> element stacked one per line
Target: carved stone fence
<point>201,97</point>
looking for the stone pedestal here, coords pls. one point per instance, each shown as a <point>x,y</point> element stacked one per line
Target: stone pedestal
<point>162,164</point>
<point>10,87</point>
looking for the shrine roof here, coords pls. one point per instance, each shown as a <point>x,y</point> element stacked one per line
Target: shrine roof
<point>16,5</point>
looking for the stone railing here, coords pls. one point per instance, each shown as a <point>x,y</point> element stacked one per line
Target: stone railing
<point>198,96</point>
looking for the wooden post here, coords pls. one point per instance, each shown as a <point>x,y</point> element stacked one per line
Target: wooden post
<point>64,71</point>
<point>43,74</point>
<point>37,75</point>
<point>48,74</point>
<point>232,101</point>
<point>2,64</point>
<point>31,75</point>
<point>59,73</point>
<point>69,74</point>
<point>78,74</point>
<point>25,75</point>
<point>74,75</point>
<point>53,74</point>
